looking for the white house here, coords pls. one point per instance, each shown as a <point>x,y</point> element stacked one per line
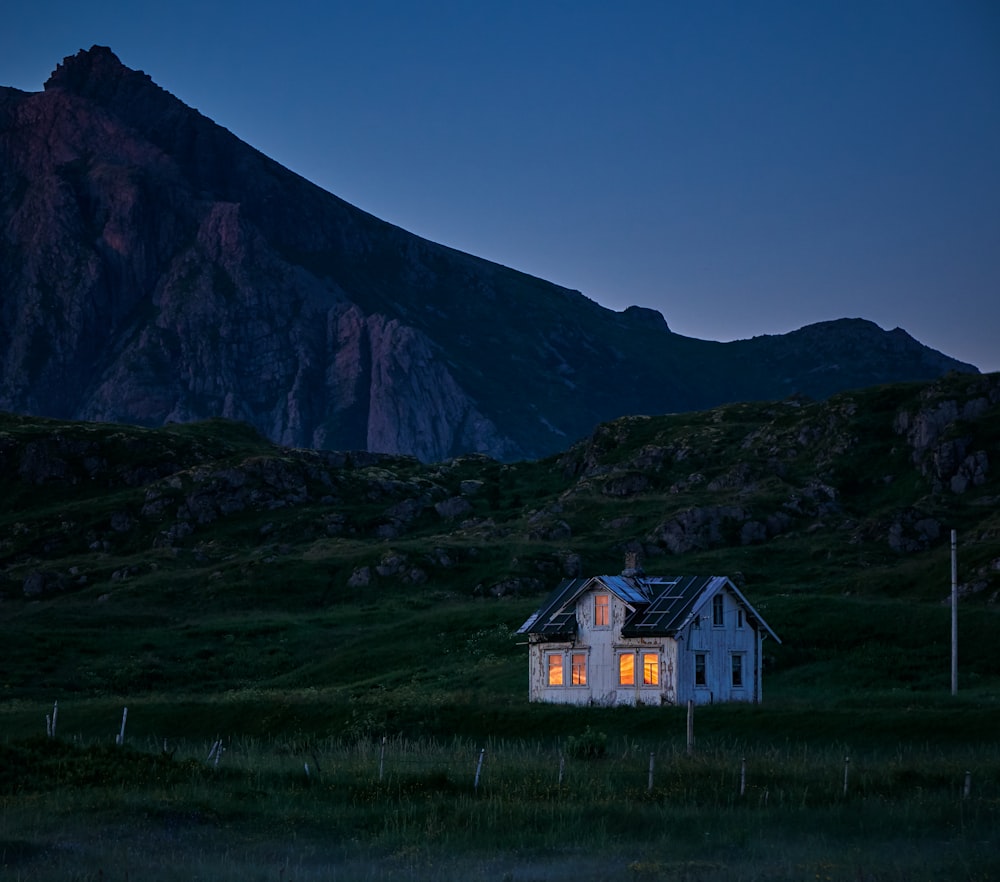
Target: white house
<point>638,639</point>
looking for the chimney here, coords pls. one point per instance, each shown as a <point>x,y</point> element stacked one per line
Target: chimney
<point>632,566</point>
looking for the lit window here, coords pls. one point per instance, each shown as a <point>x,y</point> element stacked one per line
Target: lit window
<point>737,670</point>
<point>555,670</point>
<point>579,671</point>
<point>699,669</point>
<point>601,617</point>
<point>626,669</point>
<point>650,669</point>
<point>717,602</point>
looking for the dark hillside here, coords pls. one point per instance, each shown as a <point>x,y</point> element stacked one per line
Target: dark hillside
<point>198,558</point>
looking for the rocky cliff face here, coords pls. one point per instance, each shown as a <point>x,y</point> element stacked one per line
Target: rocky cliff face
<point>154,268</point>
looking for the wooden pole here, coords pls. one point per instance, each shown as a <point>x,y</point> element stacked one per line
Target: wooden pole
<point>479,769</point>
<point>847,766</point>
<point>121,735</point>
<point>690,727</point>
<point>652,763</point>
<point>954,613</point>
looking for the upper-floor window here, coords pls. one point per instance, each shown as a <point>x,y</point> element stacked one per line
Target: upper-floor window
<point>602,617</point>
<point>739,617</point>
<point>717,611</point>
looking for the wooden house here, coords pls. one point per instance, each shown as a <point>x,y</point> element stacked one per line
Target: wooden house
<point>638,639</point>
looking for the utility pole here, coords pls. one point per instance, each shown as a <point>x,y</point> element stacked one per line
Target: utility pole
<point>954,613</point>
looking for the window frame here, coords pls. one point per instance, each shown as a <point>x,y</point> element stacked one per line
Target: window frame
<point>650,669</point>
<point>602,611</point>
<point>578,673</point>
<point>550,669</point>
<point>718,611</point>
<point>736,670</point>
<point>630,655</point>
<point>701,668</point>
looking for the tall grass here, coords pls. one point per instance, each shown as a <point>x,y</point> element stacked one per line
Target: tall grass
<point>409,809</point>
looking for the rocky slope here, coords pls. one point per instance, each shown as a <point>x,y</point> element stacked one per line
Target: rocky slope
<point>838,494</point>
<point>154,268</point>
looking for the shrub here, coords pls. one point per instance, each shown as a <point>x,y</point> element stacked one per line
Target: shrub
<point>588,745</point>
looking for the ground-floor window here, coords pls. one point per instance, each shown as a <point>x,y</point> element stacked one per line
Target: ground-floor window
<point>626,669</point>
<point>700,678</point>
<point>650,669</point>
<point>555,677</point>
<point>737,670</point>
<point>556,665</point>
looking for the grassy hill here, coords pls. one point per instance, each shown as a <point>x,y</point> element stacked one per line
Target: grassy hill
<point>221,587</point>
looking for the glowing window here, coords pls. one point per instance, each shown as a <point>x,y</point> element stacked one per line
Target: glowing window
<point>601,610</point>
<point>555,670</point>
<point>650,669</point>
<point>717,602</point>
<point>579,670</point>
<point>737,670</point>
<point>699,669</point>
<point>626,669</point>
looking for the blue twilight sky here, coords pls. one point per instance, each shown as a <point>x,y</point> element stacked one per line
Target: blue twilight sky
<point>744,167</point>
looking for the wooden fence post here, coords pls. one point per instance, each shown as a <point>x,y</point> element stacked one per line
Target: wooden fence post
<point>121,735</point>
<point>690,727</point>
<point>652,763</point>
<point>847,766</point>
<point>479,769</point>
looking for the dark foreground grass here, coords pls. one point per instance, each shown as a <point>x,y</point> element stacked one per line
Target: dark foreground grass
<point>305,807</point>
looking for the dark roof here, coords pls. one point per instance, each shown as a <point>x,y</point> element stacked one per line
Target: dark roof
<point>660,605</point>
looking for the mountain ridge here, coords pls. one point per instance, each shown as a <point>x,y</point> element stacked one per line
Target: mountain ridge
<point>155,268</point>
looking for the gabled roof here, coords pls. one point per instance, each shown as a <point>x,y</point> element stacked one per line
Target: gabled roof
<point>659,605</point>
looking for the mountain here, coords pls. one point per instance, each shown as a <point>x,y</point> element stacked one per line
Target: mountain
<point>155,269</point>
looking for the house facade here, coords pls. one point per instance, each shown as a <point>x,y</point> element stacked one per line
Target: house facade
<point>638,639</point>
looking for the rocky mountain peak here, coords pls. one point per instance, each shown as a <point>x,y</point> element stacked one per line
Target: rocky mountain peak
<point>91,71</point>
<point>155,268</point>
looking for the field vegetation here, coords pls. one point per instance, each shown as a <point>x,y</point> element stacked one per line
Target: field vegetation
<point>319,658</point>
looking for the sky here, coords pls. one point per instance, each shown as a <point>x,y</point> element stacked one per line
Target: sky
<point>745,167</point>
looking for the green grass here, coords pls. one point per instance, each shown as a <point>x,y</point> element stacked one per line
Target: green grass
<point>415,809</point>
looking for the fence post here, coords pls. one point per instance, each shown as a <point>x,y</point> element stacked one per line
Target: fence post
<point>847,766</point>
<point>690,727</point>
<point>479,769</point>
<point>652,762</point>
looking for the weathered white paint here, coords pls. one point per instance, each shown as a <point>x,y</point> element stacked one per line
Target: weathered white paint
<point>602,647</point>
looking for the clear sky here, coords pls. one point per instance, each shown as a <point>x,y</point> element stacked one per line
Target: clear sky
<point>744,167</point>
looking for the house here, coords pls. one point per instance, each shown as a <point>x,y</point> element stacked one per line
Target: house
<point>638,639</point>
